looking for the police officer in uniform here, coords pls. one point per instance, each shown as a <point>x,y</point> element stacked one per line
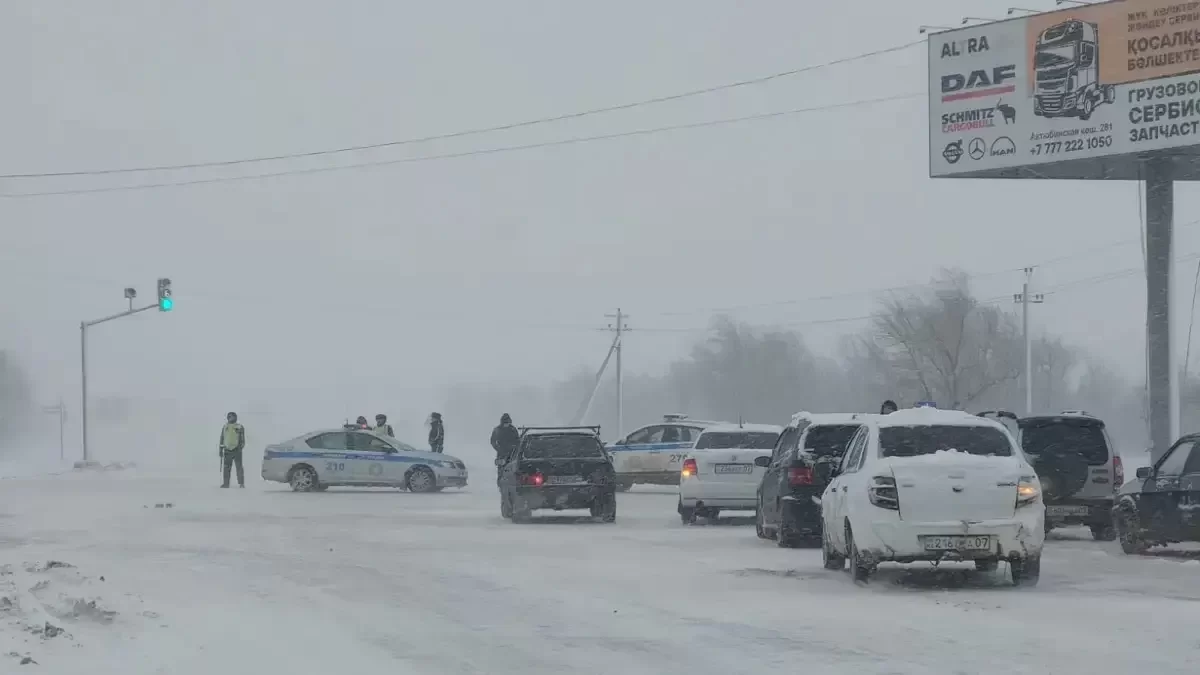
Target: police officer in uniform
<point>233,441</point>
<point>889,406</point>
<point>382,427</point>
<point>437,433</point>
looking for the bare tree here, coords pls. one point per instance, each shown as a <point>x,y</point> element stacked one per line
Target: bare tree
<point>944,345</point>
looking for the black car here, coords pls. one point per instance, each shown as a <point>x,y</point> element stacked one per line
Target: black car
<point>789,497</point>
<point>1079,470</point>
<point>558,468</point>
<point>1162,506</point>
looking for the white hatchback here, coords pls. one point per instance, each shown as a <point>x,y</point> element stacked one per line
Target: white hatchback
<point>724,469</point>
<point>934,485</point>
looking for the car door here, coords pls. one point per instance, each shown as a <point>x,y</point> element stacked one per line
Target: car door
<point>371,460</point>
<point>330,462</point>
<point>1189,512</point>
<point>636,453</point>
<point>775,481</point>
<point>1163,492</point>
<point>833,501</point>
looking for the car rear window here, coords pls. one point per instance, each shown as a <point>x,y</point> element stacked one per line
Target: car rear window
<point>561,447</point>
<point>737,440</point>
<point>829,440</point>
<point>1082,437</point>
<point>913,441</point>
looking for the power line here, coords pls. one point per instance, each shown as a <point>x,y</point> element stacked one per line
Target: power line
<point>472,132</point>
<point>470,153</point>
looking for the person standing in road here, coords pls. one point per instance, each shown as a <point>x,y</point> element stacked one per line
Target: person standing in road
<point>233,441</point>
<point>889,406</point>
<point>437,433</point>
<point>362,422</point>
<point>505,439</point>
<point>382,427</point>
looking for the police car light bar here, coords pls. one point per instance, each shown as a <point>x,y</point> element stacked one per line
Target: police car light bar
<point>674,417</point>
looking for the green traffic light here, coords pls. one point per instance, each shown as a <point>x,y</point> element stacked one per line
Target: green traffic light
<point>165,304</point>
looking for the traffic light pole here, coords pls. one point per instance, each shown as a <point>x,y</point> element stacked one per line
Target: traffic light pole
<point>83,326</point>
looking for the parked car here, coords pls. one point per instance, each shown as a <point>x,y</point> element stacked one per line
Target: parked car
<point>933,485</point>
<point>1162,506</point>
<point>723,470</point>
<point>1080,472</point>
<point>558,468</point>
<point>799,468</point>
<point>654,453</point>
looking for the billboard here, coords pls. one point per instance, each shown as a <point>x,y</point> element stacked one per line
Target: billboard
<point>1083,83</point>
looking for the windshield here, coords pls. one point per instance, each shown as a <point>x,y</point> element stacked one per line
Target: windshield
<point>928,439</point>
<point>1083,438</point>
<point>737,440</point>
<point>1053,57</point>
<point>829,441</point>
<point>562,447</point>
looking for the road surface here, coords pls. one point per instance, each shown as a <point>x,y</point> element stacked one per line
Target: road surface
<point>264,580</point>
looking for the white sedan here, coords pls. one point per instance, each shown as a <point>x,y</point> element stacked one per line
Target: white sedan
<point>357,457</point>
<point>724,469</point>
<point>932,485</point>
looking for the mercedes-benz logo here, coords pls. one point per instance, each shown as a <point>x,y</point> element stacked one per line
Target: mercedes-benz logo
<point>977,148</point>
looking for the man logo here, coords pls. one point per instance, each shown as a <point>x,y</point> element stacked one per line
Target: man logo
<point>953,151</point>
<point>1003,147</point>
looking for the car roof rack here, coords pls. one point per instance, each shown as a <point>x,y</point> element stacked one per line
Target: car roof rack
<point>594,429</point>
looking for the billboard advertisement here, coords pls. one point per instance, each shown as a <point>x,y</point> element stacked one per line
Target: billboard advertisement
<point>1116,78</point>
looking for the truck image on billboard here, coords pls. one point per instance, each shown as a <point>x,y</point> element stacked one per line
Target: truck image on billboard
<point>1105,81</point>
<point>1066,71</point>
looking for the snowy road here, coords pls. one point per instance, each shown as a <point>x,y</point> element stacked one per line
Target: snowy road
<point>264,580</point>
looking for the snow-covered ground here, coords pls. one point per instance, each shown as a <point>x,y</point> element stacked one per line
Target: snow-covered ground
<point>263,580</point>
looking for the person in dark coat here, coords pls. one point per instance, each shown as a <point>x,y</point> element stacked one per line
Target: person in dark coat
<point>437,433</point>
<point>505,439</point>
<point>889,406</point>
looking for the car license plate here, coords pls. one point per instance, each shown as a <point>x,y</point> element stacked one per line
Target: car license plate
<point>733,468</point>
<point>1063,510</point>
<point>563,480</point>
<point>957,543</point>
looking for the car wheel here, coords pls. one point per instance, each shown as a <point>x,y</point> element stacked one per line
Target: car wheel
<point>1026,572</point>
<point>833,560</point>
<point>687,514</point>
<point>759,528</point>
<point>986,565</point>
<point>1104,533</point>
<point>303,479</point>
<point>505,506</point>
<point>1130,534</point>
<point>860,570</point>
<point>420,480</point>
<point>1089,106</point>
<point>605,507</point>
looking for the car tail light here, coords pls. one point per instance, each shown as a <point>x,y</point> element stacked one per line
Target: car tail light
<point>1118,473</point>
<point>535,479</point>
<point>883,493</point>
<point>689,468</point>
<point>800,475</point>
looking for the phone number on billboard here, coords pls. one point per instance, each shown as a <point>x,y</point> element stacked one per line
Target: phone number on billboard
<point>1073,145</point>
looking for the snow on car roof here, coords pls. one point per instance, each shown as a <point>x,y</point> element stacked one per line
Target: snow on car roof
<point>747,428</point>
<point>931,416</point>
<point>560,431</point>
<point>831,418</point>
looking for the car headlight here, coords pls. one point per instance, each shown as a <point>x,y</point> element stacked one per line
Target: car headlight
<point>1028,490</point>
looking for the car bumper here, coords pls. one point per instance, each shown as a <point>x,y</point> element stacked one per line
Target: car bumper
<point>649,478</point>
<point>1067,512</point>
<point>1016,538</point>
<point>801,513</point>
<point>561,497</point>
<point>452,481</point>
<point>693,492</point>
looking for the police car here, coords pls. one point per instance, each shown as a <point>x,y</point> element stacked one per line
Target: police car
<point>357,457</point>
<point>654,453</point>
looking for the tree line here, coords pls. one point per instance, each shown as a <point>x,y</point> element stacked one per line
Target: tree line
<point>939,344</point>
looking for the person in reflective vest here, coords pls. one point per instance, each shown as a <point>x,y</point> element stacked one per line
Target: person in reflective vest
<point>382,427</point>
<point>437,433</point>
<point>233,441</point>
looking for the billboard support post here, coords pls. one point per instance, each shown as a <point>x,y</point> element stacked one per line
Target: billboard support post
<point>1164,401</point>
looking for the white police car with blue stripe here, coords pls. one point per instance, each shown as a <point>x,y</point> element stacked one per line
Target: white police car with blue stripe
<point>654,453</point>
<point>357,457</point>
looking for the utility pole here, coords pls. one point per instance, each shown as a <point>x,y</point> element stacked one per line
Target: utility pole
<point>1026,298</point>
<point>164,304</point>
<point>619,329</point>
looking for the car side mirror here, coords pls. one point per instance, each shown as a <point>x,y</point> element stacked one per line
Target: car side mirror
<point>763,461</point>
<point>1143,472</point>
<point>500,461</point>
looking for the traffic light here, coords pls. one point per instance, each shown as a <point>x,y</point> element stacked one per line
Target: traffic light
<point>165,303</point>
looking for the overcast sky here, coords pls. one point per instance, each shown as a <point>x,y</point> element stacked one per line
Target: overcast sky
<point>363,283</point>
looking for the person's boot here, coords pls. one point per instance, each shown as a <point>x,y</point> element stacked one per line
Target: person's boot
<point>225,485</point>
<point>241,485</point>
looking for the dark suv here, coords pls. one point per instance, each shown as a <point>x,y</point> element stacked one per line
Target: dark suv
<point>789,497</point>
<point>1163,505</point>
<point>1079,471</point>
<point>558,468</point>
